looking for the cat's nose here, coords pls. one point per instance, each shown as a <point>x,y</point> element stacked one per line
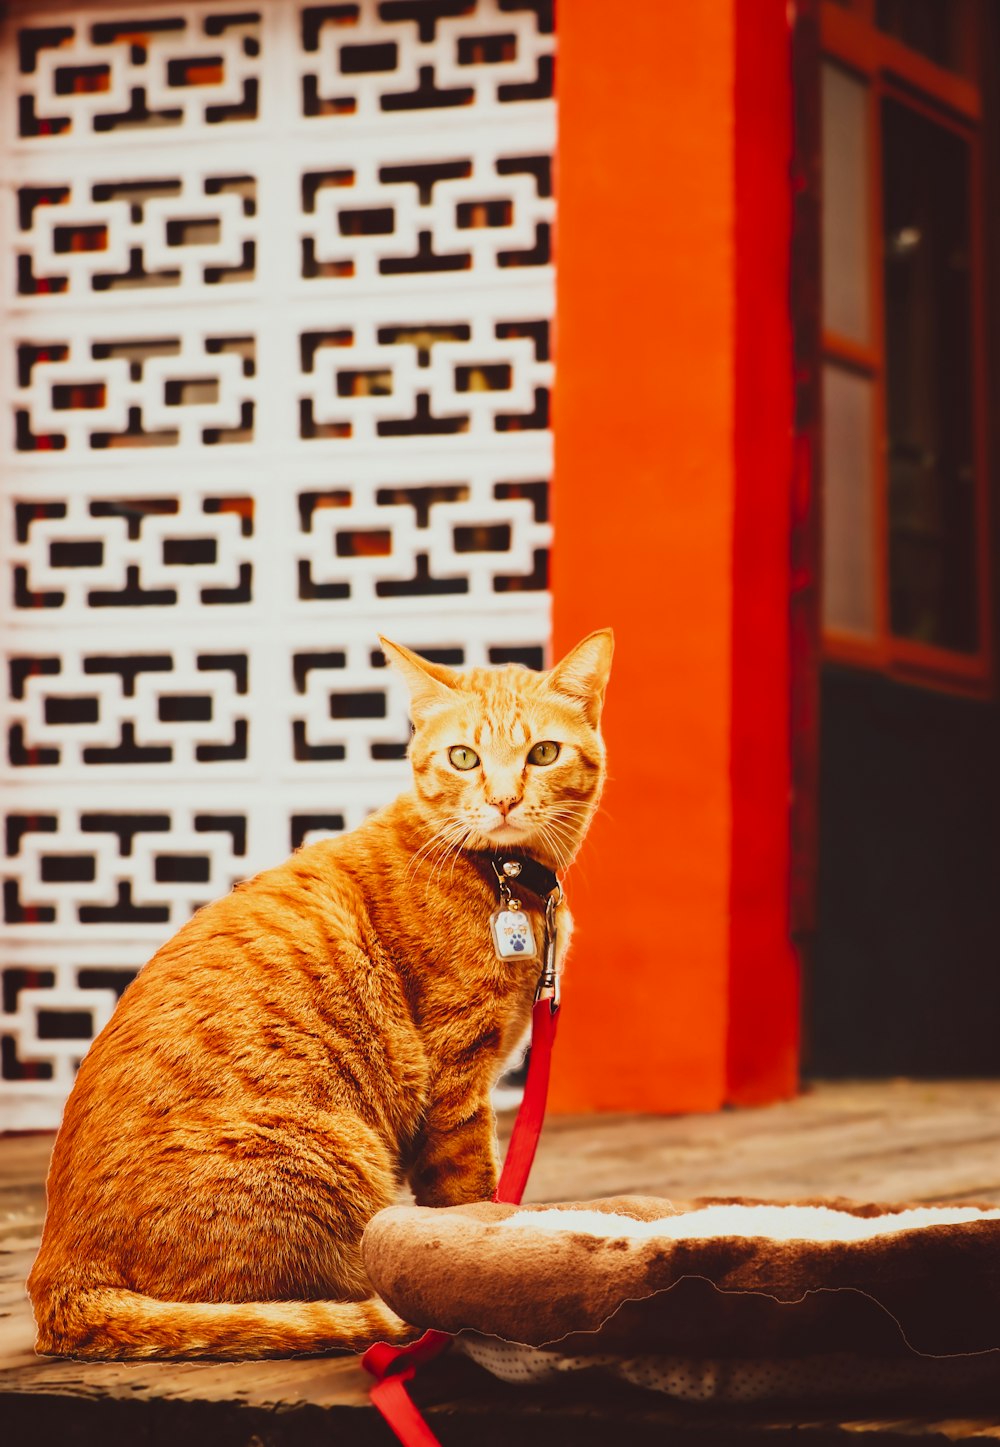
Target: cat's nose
<point>505,805</point>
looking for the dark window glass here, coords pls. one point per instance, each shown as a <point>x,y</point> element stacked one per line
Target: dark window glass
<point>930,27</point>
<point>928,350</point>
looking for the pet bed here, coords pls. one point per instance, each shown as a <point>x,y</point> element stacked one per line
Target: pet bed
<point>721,1300</point>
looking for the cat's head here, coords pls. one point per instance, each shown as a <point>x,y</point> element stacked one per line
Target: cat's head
<point>505,758</point>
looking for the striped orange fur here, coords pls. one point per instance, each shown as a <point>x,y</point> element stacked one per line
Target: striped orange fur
<point>300,1048</point>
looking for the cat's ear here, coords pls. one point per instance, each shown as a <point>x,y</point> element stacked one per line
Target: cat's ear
<point>430,684</point>
<point>583,674</point>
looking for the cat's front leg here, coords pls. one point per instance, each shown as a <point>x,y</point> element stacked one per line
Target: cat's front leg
<point>457,1160</point>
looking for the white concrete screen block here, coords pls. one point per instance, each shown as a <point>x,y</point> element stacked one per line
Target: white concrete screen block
<point>276,369</point>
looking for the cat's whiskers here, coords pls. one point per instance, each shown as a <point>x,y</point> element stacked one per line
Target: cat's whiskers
<point>572,817</point>
<point>439,843</point>
<point>451,840</point>
<point>457,839</point>
<point>553,845</point>
<point>604,811</point>
<point>568,821</point>
<point>424,849</point>
<point>563,841</point>
<point>463,841</point>
<point>446,843</point>
<point>589,812</point>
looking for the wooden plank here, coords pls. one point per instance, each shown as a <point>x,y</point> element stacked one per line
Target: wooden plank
<point>871,1136</point>
<point>882,1141</point>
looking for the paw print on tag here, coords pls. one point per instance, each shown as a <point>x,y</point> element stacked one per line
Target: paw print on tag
<point>513,936</point>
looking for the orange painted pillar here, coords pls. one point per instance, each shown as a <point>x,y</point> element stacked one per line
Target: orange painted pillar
<point>673,426</point>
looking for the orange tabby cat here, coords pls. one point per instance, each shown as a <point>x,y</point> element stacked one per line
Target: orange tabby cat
<point>331,1027</point>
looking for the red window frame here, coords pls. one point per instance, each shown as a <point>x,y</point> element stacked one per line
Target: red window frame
<point>850,38</point>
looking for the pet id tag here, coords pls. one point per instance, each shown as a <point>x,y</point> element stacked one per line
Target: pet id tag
<point>513,937</point>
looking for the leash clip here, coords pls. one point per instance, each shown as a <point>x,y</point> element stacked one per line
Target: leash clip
<point>548,980</point>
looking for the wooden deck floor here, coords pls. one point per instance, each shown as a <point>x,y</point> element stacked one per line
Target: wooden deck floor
<point>893,1141</point>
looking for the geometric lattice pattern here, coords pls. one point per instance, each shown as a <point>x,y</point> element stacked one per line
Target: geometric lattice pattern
<point>276,362</point>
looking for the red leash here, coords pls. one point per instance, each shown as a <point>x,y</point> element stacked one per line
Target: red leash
<point>392,1367</point>
<point>531,1115</point>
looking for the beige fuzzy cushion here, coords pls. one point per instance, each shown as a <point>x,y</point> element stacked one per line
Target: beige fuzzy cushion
<point>715,1290</point>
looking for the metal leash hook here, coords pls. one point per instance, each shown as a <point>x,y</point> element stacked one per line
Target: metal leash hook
<point>548,980</point>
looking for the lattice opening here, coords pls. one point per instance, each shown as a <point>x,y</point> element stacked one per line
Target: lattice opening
<point>305,826</point>
<point>115,980</point>
<point>304,663</point>
<point>11,1068</point>
<point>533,658</point>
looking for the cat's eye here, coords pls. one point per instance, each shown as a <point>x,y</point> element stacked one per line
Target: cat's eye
<point>463,758</point>
<point>544,753</point>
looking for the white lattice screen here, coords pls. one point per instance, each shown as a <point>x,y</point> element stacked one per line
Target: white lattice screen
<point>276,358</point>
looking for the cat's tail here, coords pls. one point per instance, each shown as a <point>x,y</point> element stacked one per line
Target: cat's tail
<point>109,1323</point>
